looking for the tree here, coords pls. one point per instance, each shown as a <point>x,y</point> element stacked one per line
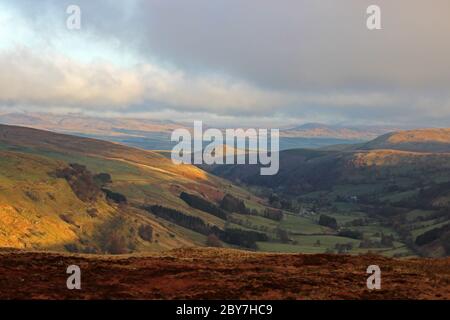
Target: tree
<point>146,232</point>
<point>213,241</point>
<point>283,235</point>
<point>81,181</point>
<point>353,234</point>
<point>328,221</point>
<point>273,214</point>
<point>116,245</point>
<point>204,205</point>
<point>387,241</point>
<point>102,179</point>
<point>233,204</point>
<point>115,196</point>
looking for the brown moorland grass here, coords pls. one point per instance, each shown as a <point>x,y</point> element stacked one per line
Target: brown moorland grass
<point>206,273</point>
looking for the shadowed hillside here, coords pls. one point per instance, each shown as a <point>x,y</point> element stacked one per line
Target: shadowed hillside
<point>373,192</point>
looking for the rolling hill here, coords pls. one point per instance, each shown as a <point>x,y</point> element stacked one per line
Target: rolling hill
<point>424,140</point>
<point>142,133</point>
<point>152,134</point>
<point>320,130</point>
<point>403,188</point>
<point>67,193</point>
<point>76,194</point>
<point>78,123</point>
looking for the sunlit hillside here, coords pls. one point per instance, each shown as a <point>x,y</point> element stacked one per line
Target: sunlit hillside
<point>423,140</point>
<point>42,208</point>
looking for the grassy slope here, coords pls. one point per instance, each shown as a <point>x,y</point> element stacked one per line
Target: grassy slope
<point>422,140</point>
<point>32,202</point>
<point>29,156</point>
<point>32,198</point>
<point>380,177</point>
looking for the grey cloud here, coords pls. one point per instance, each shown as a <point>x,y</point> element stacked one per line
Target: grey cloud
<point>290,58</point>
<point>293,44</point>
<point>304,44</point>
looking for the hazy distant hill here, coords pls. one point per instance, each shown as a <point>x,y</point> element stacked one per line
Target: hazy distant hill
<point>143,133</point>
<point>77,123</point>
<point>319,130</point>
<point>155,134</point>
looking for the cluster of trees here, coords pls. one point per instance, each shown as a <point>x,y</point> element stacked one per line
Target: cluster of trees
<point>273,214</point>
<point>113,238</point>
<point>352,234</point>
<point>228,204</point>
<point>387,241</point>
<point>87,186</point>
<point>187,221</point>
<point>146,232</point>
<point>424,199</point>
<point>81,181</point>
<point>237,237</point>
<point>281,203</point>
<point>432,235</point>
<point>116,237</point>
<point>328,221</point>
<point>242,238</point>
<point>233,204</point>
<point>103,179</point>
<point>283,235</point>
<point>426,196</point>
<point>204,205</point>
<point>115,196</point>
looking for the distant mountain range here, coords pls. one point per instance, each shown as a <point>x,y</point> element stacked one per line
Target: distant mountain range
<point>319,130</point>
<point>155,134</point>
<point>77,123</point>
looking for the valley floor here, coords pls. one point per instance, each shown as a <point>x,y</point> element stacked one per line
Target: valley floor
<point>204,273</point>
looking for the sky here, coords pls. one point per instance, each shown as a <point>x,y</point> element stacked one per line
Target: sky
<point>229,62</point>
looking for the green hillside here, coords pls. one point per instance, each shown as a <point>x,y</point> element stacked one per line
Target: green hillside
<point>66,193</point>
<point>388,198</point>
<point>51,196</point>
